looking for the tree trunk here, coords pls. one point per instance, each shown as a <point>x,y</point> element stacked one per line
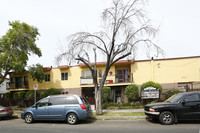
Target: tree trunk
<point>98,100</point>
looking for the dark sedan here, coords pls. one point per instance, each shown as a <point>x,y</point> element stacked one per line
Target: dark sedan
<point>183,106</point>
<point>5,112</point>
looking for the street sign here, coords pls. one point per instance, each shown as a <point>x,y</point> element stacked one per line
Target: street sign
<point>35,87</point>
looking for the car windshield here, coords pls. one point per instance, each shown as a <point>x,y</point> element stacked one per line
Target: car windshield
<point>175,98</point>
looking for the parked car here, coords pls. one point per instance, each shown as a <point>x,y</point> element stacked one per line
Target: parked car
<point>182,106</point>
<point>5,112</point>
<point>71,108</point>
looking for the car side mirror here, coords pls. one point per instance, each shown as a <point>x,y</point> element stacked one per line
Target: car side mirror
<point>184,101</point>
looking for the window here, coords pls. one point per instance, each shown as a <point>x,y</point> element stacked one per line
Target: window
<point>43,102</point>
<point>57,101</point>
<point>82,74</point>
<point>12,80</point>
<point>25,80</point>
<point>47,77</point>
<point>71,100</point>
<point>122,75</point>
<point>64,76</point>
<point>100,73</point>
<point>18,82</point>
<point>192,98</point>
<point>84,100</point>
<point>88,74</point>
<point>7,85</point>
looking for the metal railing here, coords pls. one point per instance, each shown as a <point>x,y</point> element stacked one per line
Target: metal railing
<point>109,80</point>
<point>17,85</point>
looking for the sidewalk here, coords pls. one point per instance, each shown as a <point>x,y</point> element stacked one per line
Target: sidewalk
<point>120,117</point>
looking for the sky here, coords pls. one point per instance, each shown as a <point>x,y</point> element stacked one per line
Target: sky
<point>178,22</point>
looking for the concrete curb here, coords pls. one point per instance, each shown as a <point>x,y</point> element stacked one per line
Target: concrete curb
<point>120,118</point>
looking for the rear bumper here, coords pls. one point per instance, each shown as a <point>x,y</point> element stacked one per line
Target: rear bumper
<point>85,115</point>
<point>6,114</point>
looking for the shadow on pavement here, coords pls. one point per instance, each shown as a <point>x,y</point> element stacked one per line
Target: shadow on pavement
<point>154,121</point>
<point>88,121</point>
<point>8,118</point>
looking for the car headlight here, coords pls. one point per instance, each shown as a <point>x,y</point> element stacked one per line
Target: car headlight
<point>152,110</point>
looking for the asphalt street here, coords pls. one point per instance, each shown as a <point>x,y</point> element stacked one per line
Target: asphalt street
<point>97,126</point>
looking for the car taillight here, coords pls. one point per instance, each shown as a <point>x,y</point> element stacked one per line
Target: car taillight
<point>5,110</point>
<point>83,106</point>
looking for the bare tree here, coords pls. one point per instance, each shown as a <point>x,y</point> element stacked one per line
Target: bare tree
<point>125,27</point>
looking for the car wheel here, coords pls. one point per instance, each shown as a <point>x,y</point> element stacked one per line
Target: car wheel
<point>72,119</point>
<point>28,118</point>
<point>166,118</point>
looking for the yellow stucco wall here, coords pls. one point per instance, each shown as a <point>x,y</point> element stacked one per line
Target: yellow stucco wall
<point>167,71</point>
<point>74,74</point>
<point>161,71</point>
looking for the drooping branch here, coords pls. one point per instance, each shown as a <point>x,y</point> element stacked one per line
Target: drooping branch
<point>126,26</point>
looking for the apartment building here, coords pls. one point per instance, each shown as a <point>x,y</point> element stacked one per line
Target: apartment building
<point>182,73</point>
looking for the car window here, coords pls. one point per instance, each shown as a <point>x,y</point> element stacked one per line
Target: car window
<point>175,98</point>
<point>84,100</point>
<point>192,98</point>
<point>71,100</point>
<point>57,101</point>
<point>43,102</point>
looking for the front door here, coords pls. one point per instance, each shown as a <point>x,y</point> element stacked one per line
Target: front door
<point>57,108</point>
<point>42,110</point>
<point>190,109</point>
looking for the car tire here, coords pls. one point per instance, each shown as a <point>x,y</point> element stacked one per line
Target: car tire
<point>28,118</point>
<point>72,119</point>
<point>166,118</point>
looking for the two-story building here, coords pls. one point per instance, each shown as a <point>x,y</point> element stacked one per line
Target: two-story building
<point>77,79</point>
<point>182,73</point>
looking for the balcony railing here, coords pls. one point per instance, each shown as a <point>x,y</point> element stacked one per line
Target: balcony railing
<point>111,79</point>
<point>17,85</point>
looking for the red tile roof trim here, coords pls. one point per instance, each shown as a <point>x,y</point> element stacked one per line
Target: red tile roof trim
<point>104,63</point>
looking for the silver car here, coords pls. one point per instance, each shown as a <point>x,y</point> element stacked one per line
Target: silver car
<point>5,111</point>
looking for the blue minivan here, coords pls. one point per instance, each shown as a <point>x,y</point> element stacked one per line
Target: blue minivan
<point>71,108</point>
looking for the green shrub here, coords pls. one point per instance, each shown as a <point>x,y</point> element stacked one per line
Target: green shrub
<point>19,95</point>
<point>31,94</point>
<point>171,92</point>
<point>105,106</point>
<point>111,104</point>
<point>105,94</point>
<point>136,104</point>
<point>132,93</point>
<point>151,84</point>
<point>51,91</point>
<point>126,104</point>
<point>8,96</point>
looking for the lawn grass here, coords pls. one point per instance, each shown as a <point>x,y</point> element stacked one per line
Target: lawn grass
<point>125,107</point>
<point>17,109</point>
<point>121,114</point>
